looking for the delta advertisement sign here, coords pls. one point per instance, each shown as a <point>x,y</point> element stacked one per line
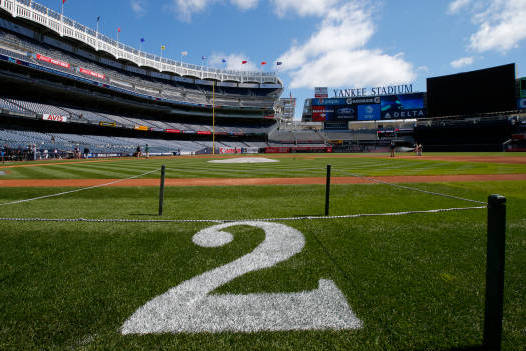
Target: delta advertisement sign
<point>402,106</point>
<point>54,118</point>
<point>52,61</point>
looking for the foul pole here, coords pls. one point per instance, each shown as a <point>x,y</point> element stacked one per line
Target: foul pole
<point>214,118</point>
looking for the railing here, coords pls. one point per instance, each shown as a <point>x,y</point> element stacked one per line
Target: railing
<point>67,27</point>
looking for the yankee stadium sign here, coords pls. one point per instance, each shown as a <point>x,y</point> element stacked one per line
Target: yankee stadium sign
<point>377,91</point>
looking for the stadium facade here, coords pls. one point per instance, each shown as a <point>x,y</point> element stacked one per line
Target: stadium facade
<point>68,85</point>
<point>478,110</point>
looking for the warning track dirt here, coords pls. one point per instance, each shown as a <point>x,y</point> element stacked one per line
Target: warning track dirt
<point>257,181</point>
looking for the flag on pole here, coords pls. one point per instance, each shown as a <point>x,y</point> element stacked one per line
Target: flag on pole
<point>98,20</point>
<point>203,57</point>
<point>279,63</point>
<point>184,53</point>
<point>142,40</point>
<point>63,1</point>
<point>119,29</point>
<point>243,62</point>
<point>223,60</point>
<point>263,63</point>
<point>163,47</point>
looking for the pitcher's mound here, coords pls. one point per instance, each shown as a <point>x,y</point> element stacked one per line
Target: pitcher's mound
<point>244,160</point>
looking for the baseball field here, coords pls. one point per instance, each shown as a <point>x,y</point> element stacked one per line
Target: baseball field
<point>244,258</point>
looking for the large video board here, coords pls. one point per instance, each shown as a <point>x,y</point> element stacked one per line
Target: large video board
<point>403,106</point>
<point>482,91</point>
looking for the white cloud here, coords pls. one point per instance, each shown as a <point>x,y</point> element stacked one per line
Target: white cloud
<point>462,62</point>
<point>233,62</point>
<point>139,7</point>
<point>355,68</point>
<point>458,5</point>
<point>502,25</point>
<point>335,54</point>
<point>184,9</point>
<point>423,69</point>
<point>304,7</point>
<point>245,4</point>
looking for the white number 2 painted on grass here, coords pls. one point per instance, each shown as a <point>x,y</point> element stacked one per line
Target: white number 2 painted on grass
<point>189,307</point>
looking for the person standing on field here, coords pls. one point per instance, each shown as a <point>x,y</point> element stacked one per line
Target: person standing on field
<point>147,151</point>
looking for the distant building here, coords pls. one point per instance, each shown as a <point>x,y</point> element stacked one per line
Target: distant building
<point>285,109</point>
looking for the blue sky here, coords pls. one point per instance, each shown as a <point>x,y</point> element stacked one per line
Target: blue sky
<point>333,43</point>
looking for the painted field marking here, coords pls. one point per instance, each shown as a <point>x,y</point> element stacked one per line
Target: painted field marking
<point>189,307</point>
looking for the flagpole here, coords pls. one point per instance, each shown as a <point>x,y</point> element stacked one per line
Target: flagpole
<point>97,34</point>
<point>213,118</point>
<point>62,19</point>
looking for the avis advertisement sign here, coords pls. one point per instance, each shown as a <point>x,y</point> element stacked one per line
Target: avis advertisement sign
<point>52,61</point>
<point>91,73</point>
<point>55,118</point>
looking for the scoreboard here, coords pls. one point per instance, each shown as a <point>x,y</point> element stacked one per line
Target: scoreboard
<point>369,108</point>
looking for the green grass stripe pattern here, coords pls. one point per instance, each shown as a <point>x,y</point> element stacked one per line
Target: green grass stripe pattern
<point>286,167</point>
<point>416,281</point>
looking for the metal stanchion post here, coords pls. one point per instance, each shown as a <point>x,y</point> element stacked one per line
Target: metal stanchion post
<point>161,190</point>
<point>495,272</point>
<point>328,190</point>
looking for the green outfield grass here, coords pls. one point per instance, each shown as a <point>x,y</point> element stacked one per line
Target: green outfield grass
<point>416,281</point>
<point>286,167</point>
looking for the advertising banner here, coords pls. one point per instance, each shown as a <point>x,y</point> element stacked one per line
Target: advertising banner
<point>52,61</point>
<point>55,118</point>
<point>339,109</point>
<point>321,113</point>
<point>369,112</point>
<point>347,112</point>
<point>91,73</point>
<point>230,150</point>
<point>172,131</point>
<point>521,104</point>
<point>369,108</point>
<point>363,100</point>
<point>108,124</point>
<point>403,106</point>
<point>330,101</point>
<point>138,127</point>
<point>336,125</point>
